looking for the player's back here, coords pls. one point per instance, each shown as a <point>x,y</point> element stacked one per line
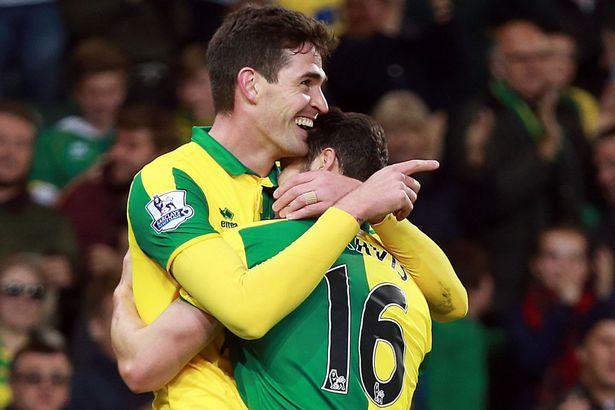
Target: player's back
<point>355,343</point>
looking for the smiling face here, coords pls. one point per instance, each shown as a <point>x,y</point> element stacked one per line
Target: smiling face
<point>562,256</point>
<point>287,108</point>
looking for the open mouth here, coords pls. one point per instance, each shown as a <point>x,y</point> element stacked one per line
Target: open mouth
<point>304,123</point>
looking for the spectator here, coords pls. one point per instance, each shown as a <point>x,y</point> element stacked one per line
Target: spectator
<point>22,293</point>
<point>193,91</point>
<point>604,157</point>
<point>545,326</point>
<point>40,377</point>
<point>29,227</point>
<point>459,354</point>
<point>595,389</point>
<point>376,55</point>
<point>31,34</point>
<point>96,203</point>
<point>519,166</point>
<point>413,132</point>
<point>562,72</point>
<point>97,384</point>
<point>76,142</point>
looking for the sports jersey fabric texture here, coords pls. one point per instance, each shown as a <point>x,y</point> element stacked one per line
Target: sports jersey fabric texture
<point>355,343</point>
<point>178,206</point>
<point>184,196</point>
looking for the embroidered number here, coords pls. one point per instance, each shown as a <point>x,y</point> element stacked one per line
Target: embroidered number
<point>374,329</point>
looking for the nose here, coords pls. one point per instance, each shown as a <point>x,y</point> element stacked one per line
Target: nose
<point>319,101</point>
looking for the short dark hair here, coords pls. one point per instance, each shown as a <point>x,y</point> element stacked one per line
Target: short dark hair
<point>156,119</point>
<point>40,343</point>
<point>562,227</point>
<point>257,37</point>
<point>21,111</point>
<point>95,56</point>
<point>357,139</point>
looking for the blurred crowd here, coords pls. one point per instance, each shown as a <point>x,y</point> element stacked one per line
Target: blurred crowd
<point>515,98</point>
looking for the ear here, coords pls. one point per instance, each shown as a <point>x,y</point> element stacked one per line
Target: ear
<point>246,84</point>
<point>328,160</point>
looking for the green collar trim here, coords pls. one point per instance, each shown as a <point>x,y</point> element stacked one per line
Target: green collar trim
<point>224,157</point>
<point>513,101</point>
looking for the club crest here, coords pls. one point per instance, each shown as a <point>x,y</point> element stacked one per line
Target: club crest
<point>169,210</point>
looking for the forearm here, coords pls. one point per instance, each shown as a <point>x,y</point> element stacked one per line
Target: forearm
<point>149,356</point>
<point>251,301</point>
<point>428,266</point>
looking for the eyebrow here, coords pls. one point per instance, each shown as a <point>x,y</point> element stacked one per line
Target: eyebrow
<point>315,75</point>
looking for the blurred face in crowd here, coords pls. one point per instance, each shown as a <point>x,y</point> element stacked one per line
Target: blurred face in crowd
<point>562,256</point>
<point>21,298</point>
<point>132,149</point>
<point>521,57</point>
<point>605,162</point>
<point>100,96</point>
<point>597,356</point>
<point>41,381</point>
<point>16,149</point>
<point>422,139</point>
<point>562,63</point>
<point>194,94</point>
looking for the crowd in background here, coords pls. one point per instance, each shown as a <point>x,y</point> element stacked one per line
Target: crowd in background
<point>515,98</point>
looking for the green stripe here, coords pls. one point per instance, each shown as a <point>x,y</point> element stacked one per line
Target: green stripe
<point>161,245</point>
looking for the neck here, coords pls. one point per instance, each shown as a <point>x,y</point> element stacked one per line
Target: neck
<point>13,339</point>
<point>242,139</point>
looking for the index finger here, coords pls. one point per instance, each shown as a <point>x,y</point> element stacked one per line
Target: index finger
<point>416,165</point>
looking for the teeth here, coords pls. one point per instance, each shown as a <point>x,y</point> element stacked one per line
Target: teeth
<point>304,122</point>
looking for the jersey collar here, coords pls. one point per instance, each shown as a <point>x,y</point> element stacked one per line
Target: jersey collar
<point>224,157</point>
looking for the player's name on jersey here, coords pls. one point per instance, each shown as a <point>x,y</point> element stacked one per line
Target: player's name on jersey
<point>360,246</point>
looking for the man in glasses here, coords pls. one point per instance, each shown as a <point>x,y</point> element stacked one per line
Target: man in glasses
<point>40,377</point>
<point>22,289</point>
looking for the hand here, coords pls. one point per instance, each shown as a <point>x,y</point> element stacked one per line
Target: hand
<point>390,190</point>
<point>328,186</point>
<point>603,266</point>
<point>575,402</point>
<point>550,144</point>
<point>58,271</point>
<point>477,135</point>
<point>570,287</point>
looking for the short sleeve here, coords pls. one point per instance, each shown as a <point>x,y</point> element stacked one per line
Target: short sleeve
<point>166,216</point>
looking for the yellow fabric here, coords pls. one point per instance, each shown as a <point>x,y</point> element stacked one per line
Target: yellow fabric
<point>588,107</point>
<point>415,322</point>
<point>154,288</point>
<point>249,302</point>
<point>328,10</point>
<point>428,266</point>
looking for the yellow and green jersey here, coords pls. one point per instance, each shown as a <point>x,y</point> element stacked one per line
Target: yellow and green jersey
<point>355,343</point>
<point>183,197</point>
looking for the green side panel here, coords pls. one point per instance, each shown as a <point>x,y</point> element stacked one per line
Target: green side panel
<point>159,244</point>
<point>287,367</point>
